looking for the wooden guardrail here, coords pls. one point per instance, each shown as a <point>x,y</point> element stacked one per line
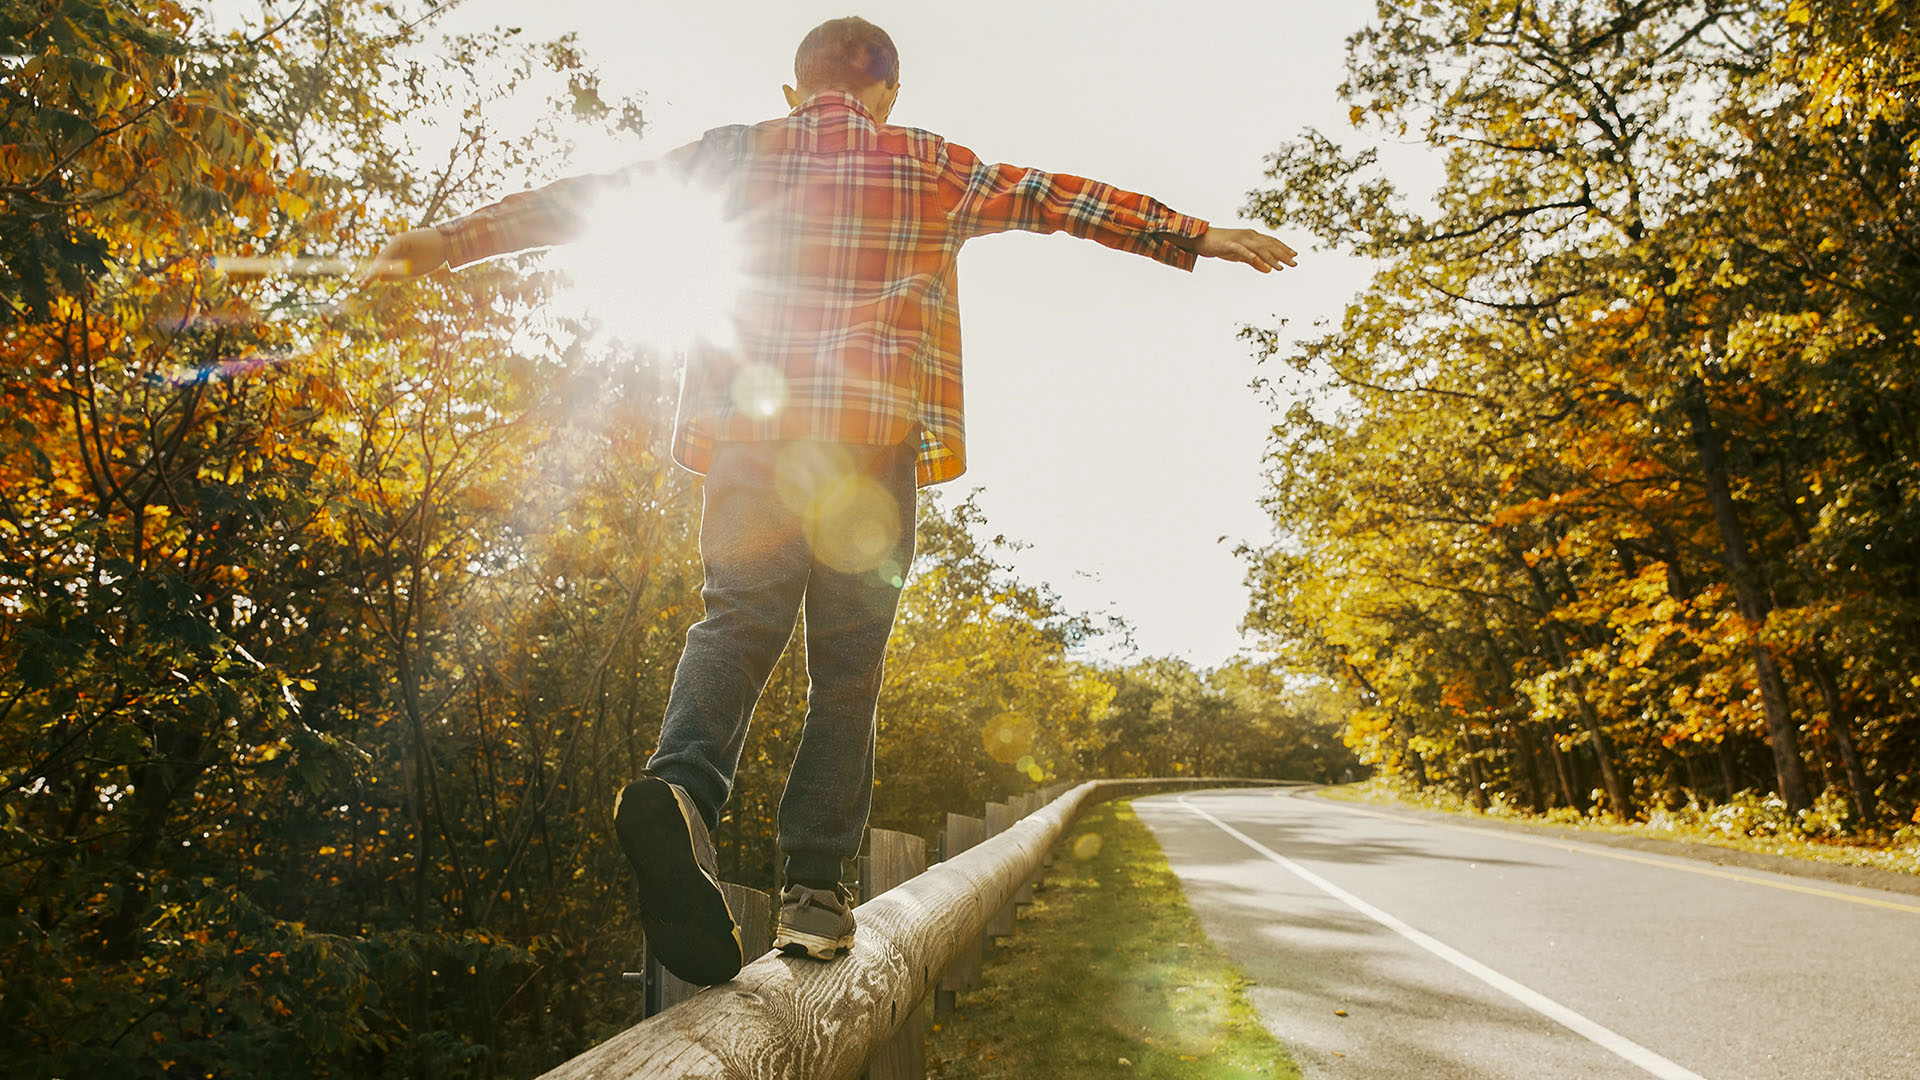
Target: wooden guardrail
<point>789,1017</point>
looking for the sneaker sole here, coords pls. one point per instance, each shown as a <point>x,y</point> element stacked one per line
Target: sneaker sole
<point>796,942</point>
<point>685,916</point>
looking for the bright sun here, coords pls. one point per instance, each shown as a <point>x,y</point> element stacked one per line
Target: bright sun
<point>660,264</point>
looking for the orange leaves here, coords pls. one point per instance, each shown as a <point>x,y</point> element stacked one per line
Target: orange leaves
<point>1519,513</point>
<point>292,204</point>
<point>1461,695</point>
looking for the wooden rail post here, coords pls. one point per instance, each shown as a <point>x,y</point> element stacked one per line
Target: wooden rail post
<point>1000,818</point>
<point>962,833</point>
<point>1022,806</point>
<point>1046,795</point>
<point>893,859</point>
<point>752,909</point>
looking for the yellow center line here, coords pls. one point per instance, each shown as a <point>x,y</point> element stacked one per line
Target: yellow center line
<point>1669,862</point>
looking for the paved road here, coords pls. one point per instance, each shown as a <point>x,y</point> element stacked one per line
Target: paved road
<point>1460,952</point>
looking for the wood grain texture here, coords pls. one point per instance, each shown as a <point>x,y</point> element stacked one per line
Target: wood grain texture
<point>894,858</point>
<point>786,1017</point>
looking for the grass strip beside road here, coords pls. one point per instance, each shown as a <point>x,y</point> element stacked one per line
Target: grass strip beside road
<point>1108,974</point>
<point>1893,865</point>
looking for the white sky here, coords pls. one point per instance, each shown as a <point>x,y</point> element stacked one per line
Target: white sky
<point>1109,416</point>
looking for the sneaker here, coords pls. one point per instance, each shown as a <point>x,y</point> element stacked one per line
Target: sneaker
<point>814,921</point>
<point>685,916</point>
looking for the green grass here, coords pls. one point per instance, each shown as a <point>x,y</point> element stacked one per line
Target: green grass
<point>1107,975</point>
<point>1746,823</point>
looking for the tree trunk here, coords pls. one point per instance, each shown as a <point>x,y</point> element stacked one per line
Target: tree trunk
<point>1550,797</point>
<point>1526,767</point>
<point>1864,803</point>
<point>1840,722</point>
<point>1419,763</point>
<point>1619,802</point>
<point>1395,726</point>
<point>421,1005</point>
<point>171,773</point>
<point>1782,733</point>
<point>1621,806</point>
<point>1560,766</point>
<point>1479,792</point>
<point>1537,799</point>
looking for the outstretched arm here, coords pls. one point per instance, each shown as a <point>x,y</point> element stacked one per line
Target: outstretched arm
<point>985,198</point>
<point>537,218</point>
<point>553,214</point>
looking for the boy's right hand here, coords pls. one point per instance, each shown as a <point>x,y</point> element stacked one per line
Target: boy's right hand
<point>1256,249</point>
<point>410,254</point>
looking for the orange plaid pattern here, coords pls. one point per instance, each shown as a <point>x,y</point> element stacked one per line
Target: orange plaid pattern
<point>853,229</point>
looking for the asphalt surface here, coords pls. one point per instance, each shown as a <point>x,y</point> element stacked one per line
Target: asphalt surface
<point>1460,952</point>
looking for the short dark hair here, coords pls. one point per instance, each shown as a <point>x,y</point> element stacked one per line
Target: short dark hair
<point>846,54</point>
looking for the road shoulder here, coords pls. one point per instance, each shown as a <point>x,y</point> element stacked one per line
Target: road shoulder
<point>1108,974</point>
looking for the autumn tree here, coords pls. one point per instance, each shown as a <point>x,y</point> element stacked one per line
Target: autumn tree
<point>283,721</point>
<point>1602,464</point>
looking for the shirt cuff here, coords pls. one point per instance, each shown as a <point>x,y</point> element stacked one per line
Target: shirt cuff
<point>465,240</point>
<point>1178,224</point>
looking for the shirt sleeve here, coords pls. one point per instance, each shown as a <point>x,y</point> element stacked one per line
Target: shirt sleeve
<point>987,198</point>
<point>562,211</point>
<point>553,214</point>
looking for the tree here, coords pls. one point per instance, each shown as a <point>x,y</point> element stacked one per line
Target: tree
<point>276,579</point>
<point>1578,465</point>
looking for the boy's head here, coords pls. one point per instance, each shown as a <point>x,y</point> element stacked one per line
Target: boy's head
<point>848,54</point>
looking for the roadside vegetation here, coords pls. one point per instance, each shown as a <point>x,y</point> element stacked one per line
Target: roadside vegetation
<point>1748,822</point>
<point>1109,975</point>
<point>1602,497</point>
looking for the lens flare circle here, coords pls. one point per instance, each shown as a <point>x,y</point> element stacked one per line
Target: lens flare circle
<point>854,525</point>
<point>851,521</point>
<point>759,391</point>
<point>1008,737</point>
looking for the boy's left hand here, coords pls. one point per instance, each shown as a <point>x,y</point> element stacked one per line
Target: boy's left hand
<point>1258,250</point>
<point>410,254</point>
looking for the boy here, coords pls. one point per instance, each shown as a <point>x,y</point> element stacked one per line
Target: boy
<point>840,396</point>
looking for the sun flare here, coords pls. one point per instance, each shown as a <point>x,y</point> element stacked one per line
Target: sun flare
<point>660,264</point>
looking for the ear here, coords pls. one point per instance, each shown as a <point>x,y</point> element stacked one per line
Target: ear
<point>793,96</point>
<point>886,103</point>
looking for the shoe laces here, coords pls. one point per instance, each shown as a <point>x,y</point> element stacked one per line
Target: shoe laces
<point>840,899</point>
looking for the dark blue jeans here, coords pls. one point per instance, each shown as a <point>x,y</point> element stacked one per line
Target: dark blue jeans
<point>786,526</point>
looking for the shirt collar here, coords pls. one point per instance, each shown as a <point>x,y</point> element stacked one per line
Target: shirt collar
<point>822,99</point>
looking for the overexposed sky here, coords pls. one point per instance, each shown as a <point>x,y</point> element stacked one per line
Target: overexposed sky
<point>1109,416</point>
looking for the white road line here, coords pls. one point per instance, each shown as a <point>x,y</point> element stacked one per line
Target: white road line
<point>1599,1034</point>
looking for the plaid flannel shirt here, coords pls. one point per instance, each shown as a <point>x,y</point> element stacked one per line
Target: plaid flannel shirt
<point>853,229</point>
